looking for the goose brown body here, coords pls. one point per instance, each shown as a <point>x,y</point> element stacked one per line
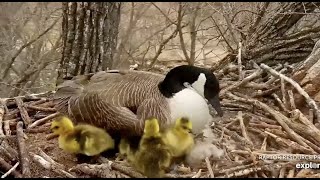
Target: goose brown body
<point>120,101</point>
<point>113,101</point>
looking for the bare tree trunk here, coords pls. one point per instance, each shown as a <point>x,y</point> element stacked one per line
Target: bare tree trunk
<point>112,29</point>
<point>90,32</point>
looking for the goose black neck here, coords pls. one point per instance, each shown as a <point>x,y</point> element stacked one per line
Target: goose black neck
<point>169,87</point>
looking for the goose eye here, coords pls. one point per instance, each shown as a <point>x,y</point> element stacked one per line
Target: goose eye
<point>55,127</point>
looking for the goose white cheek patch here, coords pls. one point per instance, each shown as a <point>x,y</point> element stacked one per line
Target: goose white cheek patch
<point>198,85</point>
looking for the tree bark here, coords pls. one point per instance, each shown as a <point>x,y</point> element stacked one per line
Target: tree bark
<point>307,73</point>
<point>270,40</point>
<point>90,34</point>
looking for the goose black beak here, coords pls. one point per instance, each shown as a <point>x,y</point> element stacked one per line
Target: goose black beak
<point>215,102</point>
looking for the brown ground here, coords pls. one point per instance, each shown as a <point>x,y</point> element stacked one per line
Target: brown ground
<point>50,147</point>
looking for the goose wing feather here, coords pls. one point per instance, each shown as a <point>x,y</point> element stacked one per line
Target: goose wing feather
<point>154,108</point>
<point>109,99</point>
<point>92,109</point>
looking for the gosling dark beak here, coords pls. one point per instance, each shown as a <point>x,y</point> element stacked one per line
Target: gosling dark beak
<point>215,102</point>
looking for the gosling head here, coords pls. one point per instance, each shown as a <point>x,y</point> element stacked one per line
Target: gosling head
<point>184,124</point>
<point>61,126</point>
<point>202,80</point>
<point>151,127</point>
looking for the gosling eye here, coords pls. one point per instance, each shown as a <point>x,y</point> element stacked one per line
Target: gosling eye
<point>55,127</point>
<point>186,128</point>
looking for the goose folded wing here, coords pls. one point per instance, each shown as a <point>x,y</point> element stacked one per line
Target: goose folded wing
<point>154,108</point>
<point>92,109</point>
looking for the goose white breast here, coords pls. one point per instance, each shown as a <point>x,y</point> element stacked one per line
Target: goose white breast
<point>188,103</point>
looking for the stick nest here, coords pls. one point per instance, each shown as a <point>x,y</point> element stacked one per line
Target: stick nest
<point>262,134</point>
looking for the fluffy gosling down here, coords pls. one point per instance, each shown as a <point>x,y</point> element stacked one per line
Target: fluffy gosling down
<point>81,139</point>
<point>153,156</point>
<point>179,137</point>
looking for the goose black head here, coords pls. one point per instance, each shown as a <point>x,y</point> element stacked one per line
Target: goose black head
<point>202,80</point>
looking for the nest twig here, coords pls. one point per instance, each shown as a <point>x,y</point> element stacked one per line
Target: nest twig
<point>23,112</point>
<point>23,155</point>
<point>6,166</point>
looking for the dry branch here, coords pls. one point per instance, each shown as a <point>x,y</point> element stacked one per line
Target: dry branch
<point>291,100</point>
<point>264,144</point>
<point>278,132</point>
<point>209,167</point>
<point>4,104</point>
<point>51,136</point>
<point>315,132</point>
<point>273,78</point>
<point>244,81</point>
<point>243,128</point>
<point>10,170</point>
<point>8,151</point>
<point>23,112</point>
<point>7,129</point>
<point>240,63</point>
<point>38,130</point>
<point>303,173</point>
<point>266,92</point>
<point>23,155</point>
<point>261,118</point>
<point>126,170</point>
<point>233,169</point>
<point>48,165</point>
<point>290,144</point>
<point>277,115</point>
<point>244,143</point>
<point>100,171</point>
<point>2,112</point>
<point>235,105</point>
<point>43,120</point>
<point>308,99</point>
<point>290,173</point>
<point>281,104</point>
<point>6,166</point>
<point>37,108</point>
<point>5,73</point>
<point>163,43</point>
<point>311,117</point>
<point>41,101</point>
<point>283,91</point>
<point>265,125</point>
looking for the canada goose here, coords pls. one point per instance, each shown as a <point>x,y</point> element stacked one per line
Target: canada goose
<point>119,101</point>
<point>81,139</point>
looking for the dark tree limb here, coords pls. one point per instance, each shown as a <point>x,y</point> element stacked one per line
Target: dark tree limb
<point>23,153</point>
